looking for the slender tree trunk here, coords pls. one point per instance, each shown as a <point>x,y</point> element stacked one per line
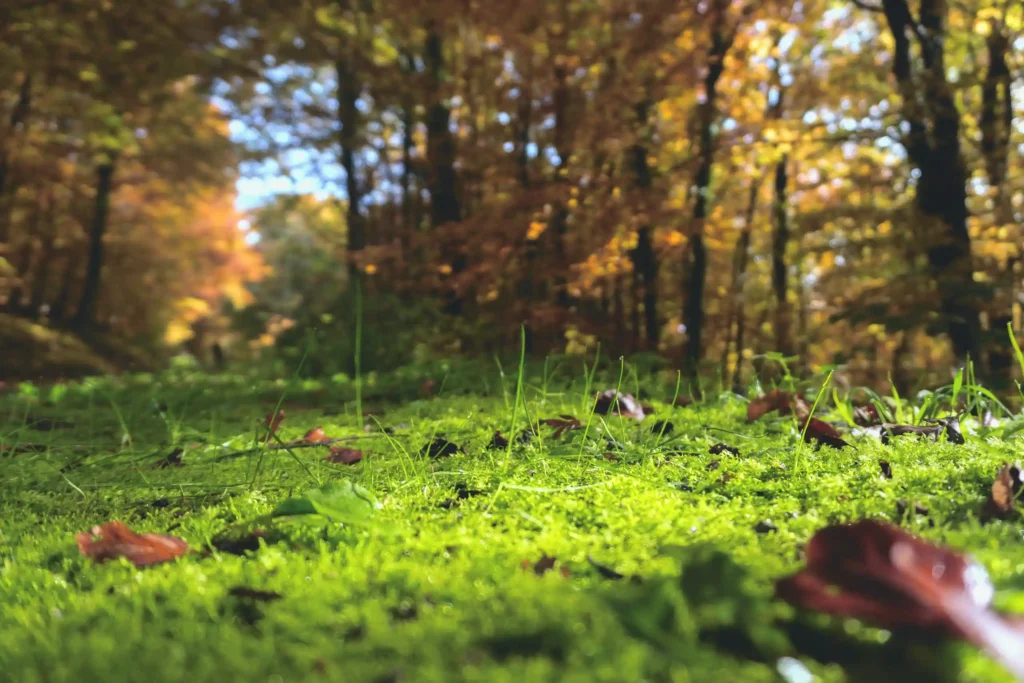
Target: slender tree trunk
<point>693,310</point>
<point>933,144</point>
<point>996,119</point>
<point>408,126</point>
<point>559,214</point>
<point>527,285</point>
<point>780,239</point>
<point>444,196</point>
<point>645,261</point>
<point>18,115</point>
<point>41,276</point>
<point>86,313</point>
<point>739,273</point>
<point>348,116</point>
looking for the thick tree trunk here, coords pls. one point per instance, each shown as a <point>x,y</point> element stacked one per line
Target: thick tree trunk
<point>444,196</point>
<point>996,119</point>
<point>693,309</point>
<point>780,239</point>
<point>645,261</point>
<point>933,143</point>
<point>86,313</point>
<point>348,118</point>
<point>62,301</point>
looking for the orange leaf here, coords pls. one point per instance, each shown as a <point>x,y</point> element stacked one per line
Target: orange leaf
<point>345,456</point>
<point>272,421</point>
<point>114,539</point>
<point>316,435</point>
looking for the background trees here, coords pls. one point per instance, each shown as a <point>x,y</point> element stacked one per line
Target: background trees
<point>836,180</point>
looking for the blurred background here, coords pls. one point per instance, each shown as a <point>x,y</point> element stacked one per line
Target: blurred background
<point>710,183</point>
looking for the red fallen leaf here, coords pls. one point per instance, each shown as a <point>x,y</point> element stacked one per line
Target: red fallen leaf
<point>886,468</point>
<point>785,402</point>
<point>172,459</point>
<point>682,401</point>
<point>544,565</point>
<point>316,435</point>
<point>498,441</point>
<point>562,424</point>
<point>1002,498</point>
<point>613,402</point>
<point>881,574</point>
<point>272,421</point>
<point>823,433</point>
<point>345,456</point>
<point>114,539</point>
<point>428,388</point>
<point>866,416</point>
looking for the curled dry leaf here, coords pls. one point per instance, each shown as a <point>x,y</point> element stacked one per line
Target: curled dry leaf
<point>562,424</point>
<point>720,448</point>
<point>866,416</point>
<point>886,468</point>
<point>315,435</point>
<point>785,402</point>
<point>172,459</point>
<point>948,425</point>
<point>1005,489</point>
<point>498,441</point>
<point>272,422</point>
<point>881,574</point>
<point>254,594</point>
<point>114,539</point>
<point>544,565</point>
<point>614,402</point>
<point>344,456</point>
<point>820,432</point>
<point>439,448</point>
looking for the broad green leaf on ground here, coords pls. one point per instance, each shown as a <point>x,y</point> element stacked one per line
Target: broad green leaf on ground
<point>341,501</point>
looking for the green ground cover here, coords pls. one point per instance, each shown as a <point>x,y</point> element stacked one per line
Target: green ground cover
<point>430,583</point>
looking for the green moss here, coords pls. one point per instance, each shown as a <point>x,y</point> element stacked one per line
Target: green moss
<point>431,586</point>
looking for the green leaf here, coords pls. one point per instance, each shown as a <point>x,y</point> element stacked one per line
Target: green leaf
<point>958,382</point>
<point>342,501</point>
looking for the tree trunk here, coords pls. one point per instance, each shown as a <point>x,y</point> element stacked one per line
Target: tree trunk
<point>645,261</point>
<point>41,276</point>
<point>408,124</point>
<point>348,116</point>
<point>527,285</point>
<point>996,119</point>
<point>86,313</point>
<point>18,115</point>
<point>737,310</point>
<point>61,302</point>
<point>780,239</point>
<point>933,144</point>
<point>444,195</point>
<point>693,310</point>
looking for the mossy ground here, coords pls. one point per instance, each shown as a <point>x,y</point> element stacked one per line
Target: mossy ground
<point>433,588</point>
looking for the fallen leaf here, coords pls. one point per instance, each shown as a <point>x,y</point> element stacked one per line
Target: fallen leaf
<point>883,575</point>
<point>818,431</point>
<point>342,501</point>
<point>428,388</point>
<point>114,539</point>
<point>172,459</point>
<point>604,570</point>
<point>1005,489</point>
<point>682,401</point>
<point>315,435</point>
<point>544,565</point>
<point>440,447</point>
<point>254,594</point>
<point>498,441</point>
<point>272,421</point>
<point>562,424</point>
<point>902,506</point>
<point>713,465</point>
<point>866,416</point>
<point>613,402</point>
<point>239,545</point>
<point>663,427</point>
<point>948,425</point>
<point>783,401</point>
<point>765,527</point>
<point>344,456</point>
<point>886,468</point>
<point>720,448</point>
<point>462,492</point>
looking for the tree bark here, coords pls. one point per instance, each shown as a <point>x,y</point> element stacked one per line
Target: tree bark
<point>737,310</point>
<point>408,123</point>
<point>645,261</point>
<point>444,196</point>
<point>348,118</point>
<point>780,239</point>
<point>85,316</point>
<point>933,144</point>
<point>693,309</point>
<point>18,115</point>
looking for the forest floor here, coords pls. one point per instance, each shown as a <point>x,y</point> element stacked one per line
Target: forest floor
<point>615,549</point>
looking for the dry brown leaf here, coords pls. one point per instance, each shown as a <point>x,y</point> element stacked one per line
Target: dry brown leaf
<point>114,539</point>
